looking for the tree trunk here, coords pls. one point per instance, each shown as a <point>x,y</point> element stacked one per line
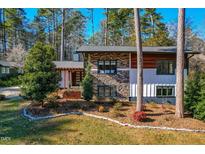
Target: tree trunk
<point>1,31</point>
<point>62,36</point>
<point>54,27</point>
<point>4,32</point>
<point>139,60</point>
<point>92,21</point>
<point>180,65</point>
<point>106,29</point>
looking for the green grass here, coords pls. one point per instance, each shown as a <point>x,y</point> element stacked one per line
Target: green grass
<point>80,130</point>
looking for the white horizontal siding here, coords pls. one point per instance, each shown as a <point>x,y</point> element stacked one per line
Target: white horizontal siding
<point>151,81</point>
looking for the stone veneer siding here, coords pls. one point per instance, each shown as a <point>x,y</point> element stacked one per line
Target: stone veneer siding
<point>120,80</point>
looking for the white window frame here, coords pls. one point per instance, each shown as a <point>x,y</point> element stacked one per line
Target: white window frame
<point>166,88</point>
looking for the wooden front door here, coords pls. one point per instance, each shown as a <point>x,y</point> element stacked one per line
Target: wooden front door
<point>76,78</point>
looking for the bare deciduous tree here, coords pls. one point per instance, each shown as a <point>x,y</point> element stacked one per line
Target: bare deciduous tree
<point>17,54</point>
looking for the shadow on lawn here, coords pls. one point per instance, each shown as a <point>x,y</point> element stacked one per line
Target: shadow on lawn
<point>18,128</point>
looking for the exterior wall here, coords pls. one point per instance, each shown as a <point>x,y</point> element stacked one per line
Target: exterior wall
<point>151,81</point>
<point>126,78</point>
<point>120,80</point>
<point>150,60</point>
<point>122,59</point>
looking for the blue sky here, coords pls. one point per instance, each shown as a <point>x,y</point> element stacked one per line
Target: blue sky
<point>170,14</point>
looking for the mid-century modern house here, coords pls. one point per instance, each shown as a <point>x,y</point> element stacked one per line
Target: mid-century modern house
<point>114,71</point>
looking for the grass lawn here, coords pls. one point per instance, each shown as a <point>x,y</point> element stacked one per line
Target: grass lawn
<point>80,130</point>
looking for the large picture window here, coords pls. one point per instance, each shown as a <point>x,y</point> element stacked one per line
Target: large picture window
<point>106,91</point>
<point>165,91</point>
<point>166,67</point>
<point>107,66</point>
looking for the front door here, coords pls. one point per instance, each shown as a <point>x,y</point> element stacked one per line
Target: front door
<point>74,79</point>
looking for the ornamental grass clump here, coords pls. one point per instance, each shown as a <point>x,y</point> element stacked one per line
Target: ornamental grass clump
<point>101,108</point>
<point>116,110</point>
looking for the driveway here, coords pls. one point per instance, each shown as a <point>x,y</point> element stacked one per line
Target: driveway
<point>10,92</point>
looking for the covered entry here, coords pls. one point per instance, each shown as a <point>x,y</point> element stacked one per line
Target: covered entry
<point>71,73</point>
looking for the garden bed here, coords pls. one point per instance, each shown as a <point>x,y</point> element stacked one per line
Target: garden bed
<point>156,114</point>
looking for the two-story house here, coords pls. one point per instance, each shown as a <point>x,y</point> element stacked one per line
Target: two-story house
<point>114,70</point>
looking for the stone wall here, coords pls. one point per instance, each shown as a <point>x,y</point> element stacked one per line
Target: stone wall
<point>120,80</point>
<point>122,59</point>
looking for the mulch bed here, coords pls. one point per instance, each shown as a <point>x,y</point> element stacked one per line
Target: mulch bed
<point>157,115</point>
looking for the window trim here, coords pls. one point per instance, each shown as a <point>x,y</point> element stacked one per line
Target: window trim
<point>98,70</point>
<point>157,63</point>
<point>165,87</point>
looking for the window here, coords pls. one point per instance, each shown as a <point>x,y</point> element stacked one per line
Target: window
<point>163,91</point>
<point>165,67</point>
<point>5,70</point>
<point>106,91</point>
<point>107,66</point>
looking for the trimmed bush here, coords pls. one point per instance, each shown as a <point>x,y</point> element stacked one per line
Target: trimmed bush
<point>52,101</point>
<point>138,116</point>
<point>117,106</point>
<point>87,84</point>
<point>101,109</point>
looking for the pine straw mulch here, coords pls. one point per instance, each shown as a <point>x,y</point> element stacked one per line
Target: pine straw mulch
<point>157,114</point>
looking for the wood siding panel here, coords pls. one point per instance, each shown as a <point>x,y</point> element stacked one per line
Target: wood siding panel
<point>150,60</point>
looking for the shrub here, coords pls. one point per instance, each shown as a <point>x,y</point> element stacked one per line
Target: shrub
<point>9,81</point>
<point>200,111</point>
<point>52,101</point>
<point>192,92</point>
<point>116,110</point>
<point>2,97</point>
<point>87,84</point>
<point>117,106</point>
<point>138,116</point>
<point>101,108</point>
<point>40,77</point>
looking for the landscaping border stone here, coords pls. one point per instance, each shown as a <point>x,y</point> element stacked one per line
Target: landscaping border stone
<point>32,118</point>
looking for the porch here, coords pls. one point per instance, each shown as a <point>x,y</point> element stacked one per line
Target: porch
<point>71,73</point>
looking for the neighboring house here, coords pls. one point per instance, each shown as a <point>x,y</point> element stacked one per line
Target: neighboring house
<point>71,73</point>
<point>114,70</point>
<point>7,68</point>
